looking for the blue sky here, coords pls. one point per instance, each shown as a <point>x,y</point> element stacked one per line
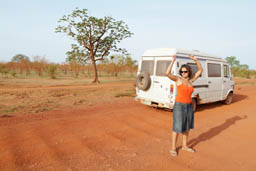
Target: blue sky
<point>224,28</point>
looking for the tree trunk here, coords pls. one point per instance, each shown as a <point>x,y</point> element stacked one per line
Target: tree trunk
<point>96,80</point>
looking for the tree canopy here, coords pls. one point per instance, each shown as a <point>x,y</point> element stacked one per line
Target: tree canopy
<point>233,62</point>
<point>19,57</point>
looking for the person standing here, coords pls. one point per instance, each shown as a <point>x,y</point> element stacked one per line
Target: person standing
<point>183,115</point>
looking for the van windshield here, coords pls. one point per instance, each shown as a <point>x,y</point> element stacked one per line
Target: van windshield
<point>147,66</point>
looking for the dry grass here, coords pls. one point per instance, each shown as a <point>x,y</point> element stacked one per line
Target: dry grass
<point>34,95</point>
<point>25,96</point>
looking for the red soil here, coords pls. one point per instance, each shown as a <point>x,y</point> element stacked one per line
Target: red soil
<point>126,135</point>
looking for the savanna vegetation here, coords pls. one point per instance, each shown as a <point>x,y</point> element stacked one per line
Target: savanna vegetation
<point>22,67</point>
<point>240,70</point>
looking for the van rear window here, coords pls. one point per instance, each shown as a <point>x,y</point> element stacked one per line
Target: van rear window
<point>161,67</point>
<point>147,66</point>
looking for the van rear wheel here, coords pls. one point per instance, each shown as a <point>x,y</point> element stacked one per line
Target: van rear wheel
<point>194,104</point>
<point>228,100</point>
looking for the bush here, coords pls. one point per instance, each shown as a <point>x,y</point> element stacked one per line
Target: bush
<point>3,69</point>
<point>13,73</point>
<point>243,72</point>
<point>52,71</point>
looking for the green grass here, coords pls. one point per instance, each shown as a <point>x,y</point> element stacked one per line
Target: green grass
<point>6,110</point>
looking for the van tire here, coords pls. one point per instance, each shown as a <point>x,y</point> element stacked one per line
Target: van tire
<point>228,100</point>
<point>143,81</point>
<point>194,104</point>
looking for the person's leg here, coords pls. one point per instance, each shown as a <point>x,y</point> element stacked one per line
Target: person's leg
<point>174,140</point>
<point>185,141</point>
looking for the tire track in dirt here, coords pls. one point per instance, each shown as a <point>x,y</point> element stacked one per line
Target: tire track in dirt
<point>24,144</point>
<point>7,162</point>
<point>69,149</point>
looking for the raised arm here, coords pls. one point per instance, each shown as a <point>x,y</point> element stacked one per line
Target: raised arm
<point>199,69</point>
<point>168,72</point>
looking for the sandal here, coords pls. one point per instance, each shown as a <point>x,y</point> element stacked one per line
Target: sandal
<point>173,153</point>
<point>188,149</point>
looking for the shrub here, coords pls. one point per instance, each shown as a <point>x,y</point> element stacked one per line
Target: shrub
<point>3,69</point>
<point>13,73</point>
<point>52,70</point>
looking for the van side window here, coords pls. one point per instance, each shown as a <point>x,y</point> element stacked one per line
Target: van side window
<point>161,67</point>
<point>147,66</point>
<point>226,71</point>
<point>214,70</point>
<point>194,68</point>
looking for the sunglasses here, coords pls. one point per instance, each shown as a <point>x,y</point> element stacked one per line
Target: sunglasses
<point>184,71</point>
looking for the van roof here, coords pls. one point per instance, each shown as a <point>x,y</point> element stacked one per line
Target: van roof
<point>168,52</point>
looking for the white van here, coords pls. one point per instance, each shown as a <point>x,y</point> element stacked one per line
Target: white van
<point>153,88</point>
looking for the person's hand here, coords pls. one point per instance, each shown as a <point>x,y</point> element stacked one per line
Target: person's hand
<point>192,57</point>
<point>173,58</point>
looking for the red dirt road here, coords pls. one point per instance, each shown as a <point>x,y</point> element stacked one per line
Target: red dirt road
<point>131,136</point>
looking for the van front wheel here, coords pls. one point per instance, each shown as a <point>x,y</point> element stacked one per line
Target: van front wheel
<point>194,104</point>
<point>228,100</point>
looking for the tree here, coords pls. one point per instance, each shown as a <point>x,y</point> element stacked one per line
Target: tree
<point>39,64</point>
<point>244,66</point>
<point>19,57</point>
<point>64,67</point>
<point>4,69</point>
<point>232,61</point>
<point>95,37</point>
<point>52,70</point>
<point>25,64</point>
<point>130,64</point>
<point>75,67</point>
<point>22,62</point>
<point>116,64</point>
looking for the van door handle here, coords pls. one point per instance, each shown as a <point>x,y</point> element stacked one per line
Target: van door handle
<point>224,81</point>
<point>209,82</point>
<point>156,81</point>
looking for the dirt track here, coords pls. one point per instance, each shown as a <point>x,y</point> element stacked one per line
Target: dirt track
<point>131,136</point>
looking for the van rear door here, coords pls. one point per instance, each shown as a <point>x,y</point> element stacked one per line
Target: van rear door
<point>147,66</point>
<point>160,83</point>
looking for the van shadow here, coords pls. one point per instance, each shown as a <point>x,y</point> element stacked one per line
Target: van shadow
<point>236,98</point>
<point>215,130</point>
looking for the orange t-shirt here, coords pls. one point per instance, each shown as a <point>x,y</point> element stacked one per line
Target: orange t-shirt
<point>184,93</point>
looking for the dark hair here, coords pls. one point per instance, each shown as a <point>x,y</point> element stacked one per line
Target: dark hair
<point>189,69</point>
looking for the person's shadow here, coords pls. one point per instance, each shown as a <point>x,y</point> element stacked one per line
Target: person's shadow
<point>215,130</point>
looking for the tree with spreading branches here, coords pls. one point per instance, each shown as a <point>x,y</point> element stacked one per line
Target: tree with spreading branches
<point>95,37</point>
